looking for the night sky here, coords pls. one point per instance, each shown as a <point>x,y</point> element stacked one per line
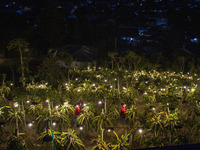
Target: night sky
<point>120,25</point>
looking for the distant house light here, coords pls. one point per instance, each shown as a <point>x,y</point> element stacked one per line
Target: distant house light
<point>19,12</point>
<point>72,16</point>
<point>123,38</point>
<point>194,40</point>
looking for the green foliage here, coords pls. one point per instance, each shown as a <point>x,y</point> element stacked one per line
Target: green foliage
<point>121,143</point>
<point>51,72</point>
<point>16,144</point>
<point>20,45</point>
<point>15,114</point>
<point>101,145</point>
<point>1,111</point>
<point>65,140</point>
<point>65,57</point>
<point>86,118</point>
<point>103,120</point>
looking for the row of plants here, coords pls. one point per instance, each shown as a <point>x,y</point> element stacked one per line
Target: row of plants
<point>37,112</point>
<point>163,107</point>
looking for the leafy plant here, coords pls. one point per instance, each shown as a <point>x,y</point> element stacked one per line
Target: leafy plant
<point>121,143</point>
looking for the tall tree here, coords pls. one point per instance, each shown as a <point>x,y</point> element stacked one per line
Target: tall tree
<point>20,45</point>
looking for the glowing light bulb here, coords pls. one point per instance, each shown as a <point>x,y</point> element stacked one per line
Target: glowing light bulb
<point>16,104</point>
<point>140,130</point>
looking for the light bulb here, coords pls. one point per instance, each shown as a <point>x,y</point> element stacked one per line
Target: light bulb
<point>140,130</point>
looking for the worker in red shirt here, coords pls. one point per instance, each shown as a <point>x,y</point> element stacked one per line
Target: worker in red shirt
<point>77,113</point>
<point>123,112</point>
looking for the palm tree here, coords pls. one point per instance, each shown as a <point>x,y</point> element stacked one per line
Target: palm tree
<point>20,45</point>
